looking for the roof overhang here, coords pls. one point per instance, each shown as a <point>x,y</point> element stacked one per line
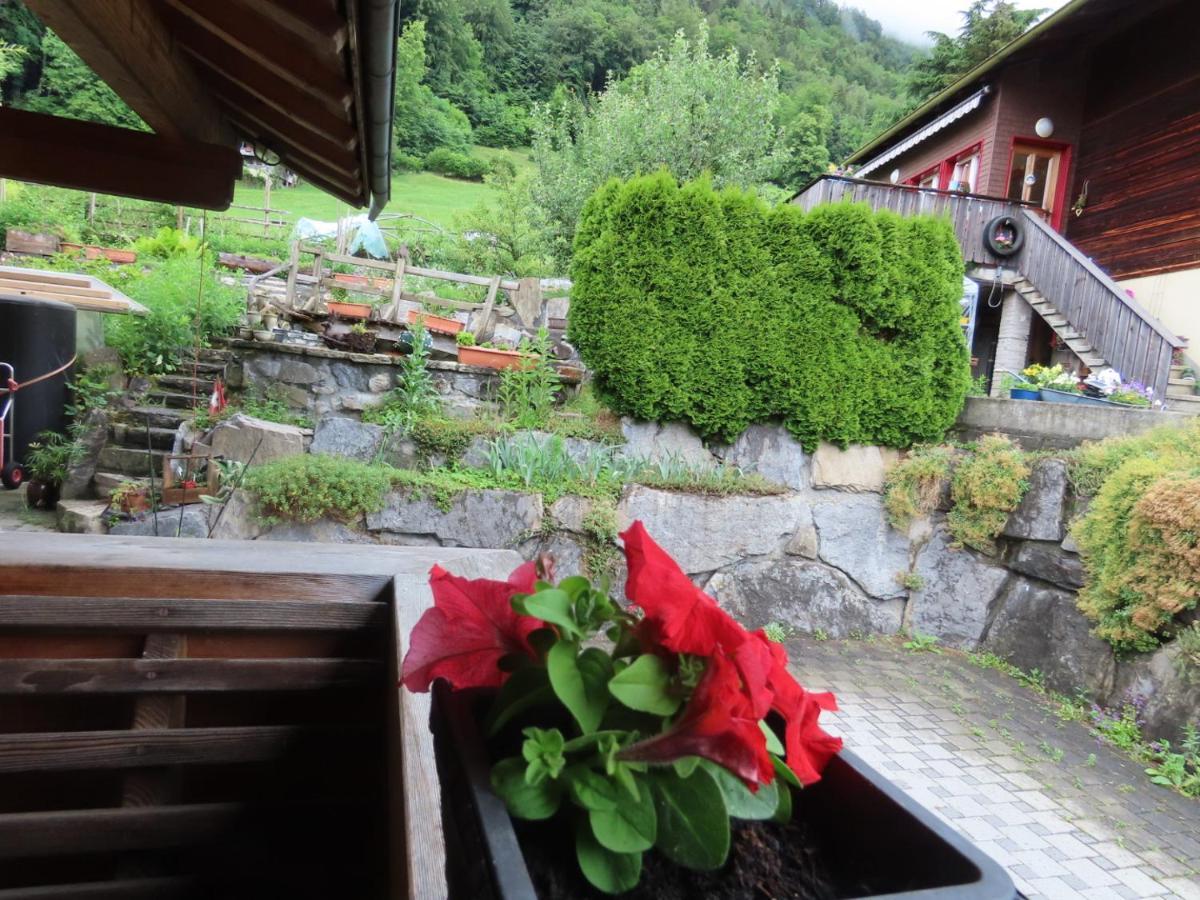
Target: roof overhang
<point>947,118</point>
<point>309,82</point>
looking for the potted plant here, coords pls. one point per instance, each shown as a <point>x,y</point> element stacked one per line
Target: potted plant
<point>47,462</point>
<point>346,310</point>
<point>487,356</point>
<point>440,324</point>
<point>1019,389</point>
<point>270,319</point>
<point>668,752</point>
<point>130,497</point>
<point>360,339</point>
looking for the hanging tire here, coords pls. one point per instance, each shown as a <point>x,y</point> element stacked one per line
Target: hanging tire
<point>1003,236</point>
<point>13,476</point>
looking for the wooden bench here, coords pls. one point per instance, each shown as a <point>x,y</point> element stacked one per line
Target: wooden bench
<point>186,718</point>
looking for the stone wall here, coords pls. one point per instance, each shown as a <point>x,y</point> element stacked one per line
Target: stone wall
<point>322,382</point>
<point>1055,426</point>
<point>820,556</point>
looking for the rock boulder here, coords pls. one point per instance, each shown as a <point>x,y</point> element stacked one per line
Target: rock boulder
<point>1040,515</point>
<point>856,538</point>
<point>957,590</point>
<point>337,436</point>
<point>240,437</point>
<point>489,519</point>
<point>857,468</point>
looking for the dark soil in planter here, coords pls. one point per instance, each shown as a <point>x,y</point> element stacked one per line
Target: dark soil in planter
<point>361,343</point>
<point>766,860</point>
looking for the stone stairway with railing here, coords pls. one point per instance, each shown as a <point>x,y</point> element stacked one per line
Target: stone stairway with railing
<point>140,436</point>
<point>1181,392</point>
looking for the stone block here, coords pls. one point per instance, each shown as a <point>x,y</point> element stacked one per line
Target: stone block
<point>1049,562</point>
<point>856,538</point>
<point>92,437</point>
<point>322,531</point>
<point>490,519</point>
<point>295,371</point>
<point>241,437</point>
<point>803,543</point>
<point>570,511</point>
<point>658,442</point>
<point>182,521</point>
<point>705,533</point>
<point>337,436</point>
<point>81,516</point>
<point>1170,687</point>
<point>1040,515</point>
<point>805,595</point>
<point>236,520</point>
<point>957,591</point>
<point>772,452</point>
<point>379,383</point>
<point>1036,626</point>
<point>859,467</point>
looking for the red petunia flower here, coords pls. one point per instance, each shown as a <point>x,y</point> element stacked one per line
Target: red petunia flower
<point>718,725</point>
<point>468,630</point>
<point>679,616</point>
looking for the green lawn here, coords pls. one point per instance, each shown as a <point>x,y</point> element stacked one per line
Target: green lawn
<point>423,194</point>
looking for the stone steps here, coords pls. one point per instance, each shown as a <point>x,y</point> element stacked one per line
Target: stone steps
<point>184,383</point>
<point>155,416</point>
<point>178,400</point>
<point>107,482</point>
<point>128,461</point>
<point>134,436</point>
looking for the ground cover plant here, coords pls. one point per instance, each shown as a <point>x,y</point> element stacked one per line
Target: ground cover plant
<point>710,307</point>
<point>665,737</point>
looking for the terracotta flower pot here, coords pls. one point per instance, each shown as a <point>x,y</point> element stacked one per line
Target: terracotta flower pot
<point>132,504</point>
<point>119,256</point>
<point>68,247</point>
<point>348,310</point>
<point>490,358</point>
<point>440,324</point>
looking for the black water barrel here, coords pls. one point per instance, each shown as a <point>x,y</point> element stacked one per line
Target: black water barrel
<point>36,337</point>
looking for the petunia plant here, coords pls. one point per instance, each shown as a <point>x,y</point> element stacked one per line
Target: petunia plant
<point>667,700</point>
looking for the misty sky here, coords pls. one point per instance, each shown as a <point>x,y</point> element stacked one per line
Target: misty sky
<point>910,19</point>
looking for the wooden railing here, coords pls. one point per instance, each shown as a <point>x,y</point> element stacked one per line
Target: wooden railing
<point>1129,338</point>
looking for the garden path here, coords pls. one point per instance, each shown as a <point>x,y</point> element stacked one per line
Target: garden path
<point>15,517</point>
<point>1068,816</point>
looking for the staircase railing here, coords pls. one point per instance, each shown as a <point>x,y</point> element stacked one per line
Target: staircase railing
<point>1120,330</point>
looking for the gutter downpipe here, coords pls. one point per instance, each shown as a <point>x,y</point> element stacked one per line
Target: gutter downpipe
<point>380,23</point>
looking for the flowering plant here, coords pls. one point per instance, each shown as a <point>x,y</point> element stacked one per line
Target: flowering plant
<point>1052,377</point>
<point>668,736</point>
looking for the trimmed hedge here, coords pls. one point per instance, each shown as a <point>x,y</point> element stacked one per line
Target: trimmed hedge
<point>712,308</point>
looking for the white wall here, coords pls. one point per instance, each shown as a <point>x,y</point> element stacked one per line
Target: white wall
<point>1174,298</point>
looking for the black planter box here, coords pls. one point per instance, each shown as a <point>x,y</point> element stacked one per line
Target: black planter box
<point>876,834</point>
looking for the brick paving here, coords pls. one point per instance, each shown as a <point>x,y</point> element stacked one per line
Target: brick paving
<point>1067,815</point>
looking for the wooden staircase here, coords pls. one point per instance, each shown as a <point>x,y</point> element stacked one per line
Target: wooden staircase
<point>1181,393</point>
<point>1075,340</point>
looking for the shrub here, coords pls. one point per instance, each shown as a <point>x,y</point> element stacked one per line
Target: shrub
<point>987,486</point>
<point>168,243</point>
<point>712,308</point>
<point>187,303</point>
<point>914,485</point>
<point>1141,546</point>
<point>309,487</point>
<point>456,165</point>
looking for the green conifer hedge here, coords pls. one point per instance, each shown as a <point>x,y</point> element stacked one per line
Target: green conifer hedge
<point>713,308</point>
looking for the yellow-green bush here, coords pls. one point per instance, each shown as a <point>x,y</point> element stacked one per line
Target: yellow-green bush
<point>1140,542</point>
<point>712,308</point>
<point>914,484</point>
<point>308,487</point>
<point>987,486</point>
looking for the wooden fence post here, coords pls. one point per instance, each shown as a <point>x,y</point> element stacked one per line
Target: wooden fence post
<point>527,301</point>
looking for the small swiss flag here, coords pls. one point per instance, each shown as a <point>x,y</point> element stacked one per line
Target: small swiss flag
<point>216,403</point>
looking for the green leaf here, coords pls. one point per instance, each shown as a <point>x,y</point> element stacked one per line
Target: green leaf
<point>574,586</point>
<point>579,682</point>
<point>630,828</point>
<point>551,605</point>
<point>693,826</point>
<point>685,765</point>
<point>643,686</point>
<point>784,771</point>
<point>774,745</point>
<point>543,750</point>
<point>524,800</point>
<point>783,812</point>
<point>591,790</point>
<point>740,801</point>
<point>613,873</point>
<point>525,689</point>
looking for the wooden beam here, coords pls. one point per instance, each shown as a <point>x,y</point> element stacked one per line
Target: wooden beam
<point>91,157</point>
<point>68,751</point>
<point>318,76</point>
<point>67,832</point>
<point>49,287</point>
<point>316,22</point>
<point>147,614</point>
<point>146,676</point>
<point>122,889</point>
<point>130,48</point>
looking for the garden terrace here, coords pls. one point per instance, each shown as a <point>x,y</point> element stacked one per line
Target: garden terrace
<point>234,727</point>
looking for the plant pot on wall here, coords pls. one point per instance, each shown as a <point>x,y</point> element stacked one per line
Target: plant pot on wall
<point>348,310</point>
<point>360,341</point>
<point>1025,394</point>
<point>41,494</point>
<point>491,358</point>
<point>851,807</point>
<point>440,324</point>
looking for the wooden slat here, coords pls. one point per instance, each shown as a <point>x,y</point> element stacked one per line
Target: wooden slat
<point>122,889</point>
<point>94,304</point>
<point>45,277</point>
<point>66,751</point>
<point>16,283</point>
<point>148,614</point>
<point>151,676</point>
<point>70,832</point>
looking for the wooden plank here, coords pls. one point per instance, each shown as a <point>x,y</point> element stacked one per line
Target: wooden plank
<point>151,676</point>
<point>316,22</point>
<point>93,304</point>
<point>122,889</point>
<point>45,277</point>
<point>127,45</point>
<point>92,157</point>
<point>68,832</point>
<point>149,614</point>
<point>9,283</point>
<point>67,751</point>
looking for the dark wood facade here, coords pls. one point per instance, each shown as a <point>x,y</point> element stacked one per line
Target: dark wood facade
<point>1121,83</point>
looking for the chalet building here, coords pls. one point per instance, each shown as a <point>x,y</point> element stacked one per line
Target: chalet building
<point>1078,146</point>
